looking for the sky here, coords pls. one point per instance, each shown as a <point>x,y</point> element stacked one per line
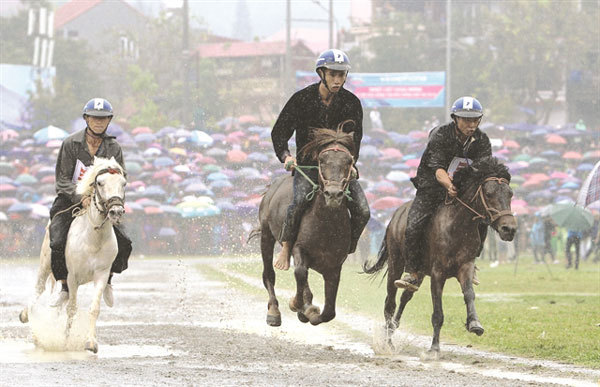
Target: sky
<point>266,17</point>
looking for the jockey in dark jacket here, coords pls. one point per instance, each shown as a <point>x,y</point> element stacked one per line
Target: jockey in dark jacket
<point>77,153</point>
<point>321,105</point>
<point>459,139</point>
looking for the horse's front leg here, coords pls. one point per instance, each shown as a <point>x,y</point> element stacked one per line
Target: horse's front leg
<point>100,282</point>
<point>437,318</point>
<point>465,276</point>
<point>71,304</point>
<point>267,244</point>
<point>332,282</point>
<point>302,301</point>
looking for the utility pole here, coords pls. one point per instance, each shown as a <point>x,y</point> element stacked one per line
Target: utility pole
<point>448,51</point>
<point>288,49</point>
<point>331,24</point>
<point>185,114</point>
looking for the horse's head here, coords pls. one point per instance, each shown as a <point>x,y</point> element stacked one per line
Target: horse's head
<point>333,150</point>
<point>105,182</point>
<point>486,186</point>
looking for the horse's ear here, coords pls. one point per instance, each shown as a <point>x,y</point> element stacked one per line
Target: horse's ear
<point>112,158</point>
<point>95,158</point>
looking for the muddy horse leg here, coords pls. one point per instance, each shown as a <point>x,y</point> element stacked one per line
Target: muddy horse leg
<point>464,277</point>
<point>332,282</point>
<point>437,318</point>
<point>267,244</point>
<point>302,301</point>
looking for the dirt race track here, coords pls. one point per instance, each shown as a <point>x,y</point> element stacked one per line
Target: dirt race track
<point>172,326</point>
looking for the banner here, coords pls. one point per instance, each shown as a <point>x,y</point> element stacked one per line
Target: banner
<point>407,90</point>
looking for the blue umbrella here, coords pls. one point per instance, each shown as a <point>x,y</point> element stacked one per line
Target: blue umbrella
<point>217,176</point>
<point>114,129</point>
<point>221,184</point>
<point>369,151</point>
<point>570,185</point>
<point>19,207</point>
<point>165,131</point>
<point>258,156</point>
<point>145,137</point>
<point>154,190</point>
<point>48,133</point>
<point>200,138</point>
<point>585,167</point>
<point>163,162</point>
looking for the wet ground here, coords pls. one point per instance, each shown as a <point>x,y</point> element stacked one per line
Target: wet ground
<point>172,326</point>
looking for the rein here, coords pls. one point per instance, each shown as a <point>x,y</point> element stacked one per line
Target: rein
<point>316,187</point>
<point>492,213</point>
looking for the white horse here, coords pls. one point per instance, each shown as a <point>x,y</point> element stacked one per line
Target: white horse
<point>91,242</point>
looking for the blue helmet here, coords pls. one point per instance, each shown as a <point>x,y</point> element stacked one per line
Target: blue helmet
<point>333,59</point>
<point>466,107</point>
<point>98,107</point>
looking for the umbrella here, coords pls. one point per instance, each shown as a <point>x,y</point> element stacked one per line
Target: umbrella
<point>8,134</point>
<point>140,130</point>
<point>571,216</point>
<point>217,176</point>
<point>594,154</point>
<point>166,232</point>
<point>391,153</point>
<point>386,202</point>
<point>154,190</point>
<point>178,151</point>
<point>216,152</point>
<point>236,156</point>
<point>7,187</point>
<point>145,137</point>
<point>152,210</point>
<point>200,138</point>
<point>369,151</point>
<point>163,162</point>
<point>25,178</point>
<point>133,167</point>
<point>258,156</point>
<point>397,176</point>
<point>19,207</point>
<point>572,155</point>
<point>522,157</point>
<point>48,133</point>
<point>555,139</point>
<point>151,152</point>
<point>510,144</point>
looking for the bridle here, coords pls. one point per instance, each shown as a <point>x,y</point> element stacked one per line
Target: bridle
<point>104,205</point>
<point>345,181</point>
<point>492,214</point>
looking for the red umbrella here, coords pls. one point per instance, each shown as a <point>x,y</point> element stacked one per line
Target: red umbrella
<point>8,134</point>
<point>50,179</point>
<point>162,173</point>
<point>236,156</point>
<point>559,175</point>
<point>413,162</point>
<point>391,153</point>
<point>386,202</point>
<point>7,202</point>
<point>140,130</point>
<point>555,139</point>
<point>572,155</point>
<point>510,144</point>
<point>153,210</point>
<point>247,119</point>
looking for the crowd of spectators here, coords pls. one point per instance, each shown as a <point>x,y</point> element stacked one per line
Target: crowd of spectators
<point>194,192</point>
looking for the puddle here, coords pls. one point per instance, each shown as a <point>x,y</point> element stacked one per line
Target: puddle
<point>22,352</point>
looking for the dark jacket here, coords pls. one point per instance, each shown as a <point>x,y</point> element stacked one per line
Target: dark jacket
<point>305,110</point>
<point>75,148</point>
<point>442,147</point>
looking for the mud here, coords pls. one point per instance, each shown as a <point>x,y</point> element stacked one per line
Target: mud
<point>172,326</point>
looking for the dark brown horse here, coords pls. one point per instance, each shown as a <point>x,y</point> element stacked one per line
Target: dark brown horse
<point>324,235</point>
<point>451,242</point>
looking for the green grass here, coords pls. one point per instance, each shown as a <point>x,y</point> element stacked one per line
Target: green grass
<point>530,314</point>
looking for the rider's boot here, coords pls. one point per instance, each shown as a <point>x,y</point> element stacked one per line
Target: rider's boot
<point>62,296</point>
<point>282,262</point>
<point>108,293</point>
<point>410,282</point>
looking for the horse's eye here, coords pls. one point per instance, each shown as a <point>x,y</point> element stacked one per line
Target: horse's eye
<point>100,183</point>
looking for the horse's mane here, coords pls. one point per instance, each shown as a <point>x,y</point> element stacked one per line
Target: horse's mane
<point>322,137</point>
<point>474,174</point>
<point>85,185</point>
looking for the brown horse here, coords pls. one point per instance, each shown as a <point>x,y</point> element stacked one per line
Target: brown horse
<point>451,242</point>
<point>324,235</point>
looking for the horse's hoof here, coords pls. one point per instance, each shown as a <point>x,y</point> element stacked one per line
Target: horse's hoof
<point>302,317</point>
<point>293,306</point>
<point>91,346</point>
<point>273,320</point>
<point>24,316</point>
<point>313,313</point>
<point>432,354</point>
<point>475,327</point>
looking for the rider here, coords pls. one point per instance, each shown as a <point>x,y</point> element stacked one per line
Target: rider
<point>458,139</point>
<point>76,154</point>
<point>324,104</point>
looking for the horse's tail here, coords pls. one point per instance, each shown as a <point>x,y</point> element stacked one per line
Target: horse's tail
<point>253,233</point>
<point>382,258</point>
